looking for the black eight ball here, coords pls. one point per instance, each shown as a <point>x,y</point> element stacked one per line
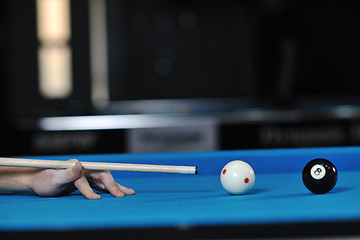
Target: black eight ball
<point>319,175</point>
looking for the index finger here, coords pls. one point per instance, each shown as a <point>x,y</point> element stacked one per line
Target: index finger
<point>110,184</point>
<point>83,186</point>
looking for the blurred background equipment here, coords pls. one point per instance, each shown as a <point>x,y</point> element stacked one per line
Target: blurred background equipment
<point>101,76</point>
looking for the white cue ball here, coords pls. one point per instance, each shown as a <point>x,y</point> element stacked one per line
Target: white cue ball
<point>237,177</point>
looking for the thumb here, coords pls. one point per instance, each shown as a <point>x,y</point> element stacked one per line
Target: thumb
<point>74,173</point>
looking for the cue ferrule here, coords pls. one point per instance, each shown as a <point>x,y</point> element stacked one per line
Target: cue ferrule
<point>104,166</point>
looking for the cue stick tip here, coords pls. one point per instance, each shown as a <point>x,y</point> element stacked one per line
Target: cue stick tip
<point>196,170</point>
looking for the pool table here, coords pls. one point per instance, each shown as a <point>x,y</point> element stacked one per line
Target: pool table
<point>196,206</point>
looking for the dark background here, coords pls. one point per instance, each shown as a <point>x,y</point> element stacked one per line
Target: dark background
<point>266,54</point>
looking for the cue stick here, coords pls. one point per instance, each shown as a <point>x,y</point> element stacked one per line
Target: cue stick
<point>105,166</point>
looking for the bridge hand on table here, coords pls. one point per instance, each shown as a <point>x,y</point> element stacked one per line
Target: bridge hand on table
<point>55,182</point>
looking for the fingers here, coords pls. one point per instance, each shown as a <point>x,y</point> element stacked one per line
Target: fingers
<point>102,181</point>
<point>111,185</point>
<point>114,188</point>
<point>127,191</point>
<point>83,186</point>
<point>105,182</point>
<point>75,174</point>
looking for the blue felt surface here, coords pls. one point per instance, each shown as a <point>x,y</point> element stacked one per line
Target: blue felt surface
<point>188,200</point>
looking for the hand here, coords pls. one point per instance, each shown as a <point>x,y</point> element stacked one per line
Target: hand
<point>55,182</point>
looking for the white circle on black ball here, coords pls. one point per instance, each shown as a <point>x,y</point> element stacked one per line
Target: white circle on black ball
<point>318,171</point>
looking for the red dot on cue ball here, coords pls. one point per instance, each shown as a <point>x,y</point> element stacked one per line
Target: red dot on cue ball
<point>246,180</point>
<point>224,171</point>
